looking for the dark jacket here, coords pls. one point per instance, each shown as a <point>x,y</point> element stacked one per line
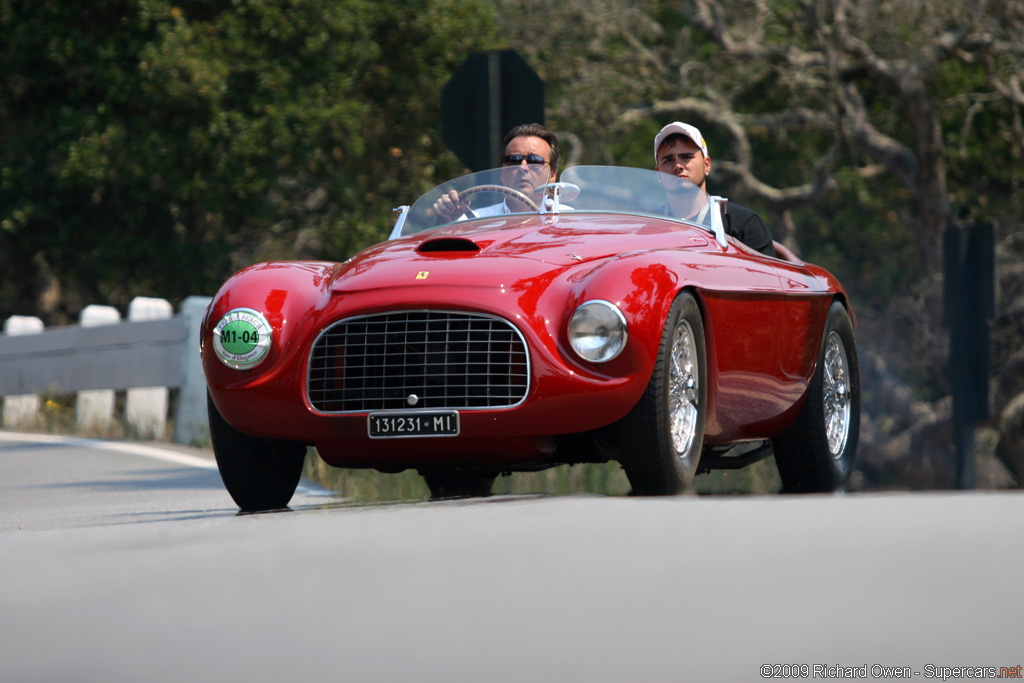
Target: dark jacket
<point>745,225</point>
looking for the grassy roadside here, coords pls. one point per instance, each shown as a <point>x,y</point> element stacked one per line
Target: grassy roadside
<point>606,479</point>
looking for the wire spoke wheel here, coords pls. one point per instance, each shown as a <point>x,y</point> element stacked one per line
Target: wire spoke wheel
<point>837,394</point>
<point>660,440</point>
<point>816,453</point>
<point>683,389</point>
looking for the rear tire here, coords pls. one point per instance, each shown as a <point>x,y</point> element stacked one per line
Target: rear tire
<point>816,453</point>
<point>260,474</point>
<point>661,439</point>
<point>447,482</point>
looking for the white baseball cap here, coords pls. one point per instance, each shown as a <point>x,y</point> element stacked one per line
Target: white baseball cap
<point>680,128</point>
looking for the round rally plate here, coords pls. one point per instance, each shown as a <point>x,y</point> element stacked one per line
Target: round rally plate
<point>242,338</point>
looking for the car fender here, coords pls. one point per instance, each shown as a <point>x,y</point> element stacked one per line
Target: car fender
<point>643,287</point>
<point>290,296</point>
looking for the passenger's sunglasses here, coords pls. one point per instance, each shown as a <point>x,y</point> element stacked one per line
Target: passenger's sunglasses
<point>517,159</point>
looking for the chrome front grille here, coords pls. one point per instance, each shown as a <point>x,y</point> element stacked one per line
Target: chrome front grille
<point>445,359</point>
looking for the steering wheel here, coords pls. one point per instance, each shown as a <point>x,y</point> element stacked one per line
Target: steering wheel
<point>500,189</point>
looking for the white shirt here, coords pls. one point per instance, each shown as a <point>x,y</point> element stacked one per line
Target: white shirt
<point>497,210</point>
<point>484,212</point>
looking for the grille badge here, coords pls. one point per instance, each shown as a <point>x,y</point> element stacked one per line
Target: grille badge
<point>413,399</point>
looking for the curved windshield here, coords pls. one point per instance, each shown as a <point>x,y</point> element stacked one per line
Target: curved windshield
<point>581,188</point>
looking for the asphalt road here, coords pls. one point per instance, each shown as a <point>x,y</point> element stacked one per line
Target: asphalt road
<point>129,562</point>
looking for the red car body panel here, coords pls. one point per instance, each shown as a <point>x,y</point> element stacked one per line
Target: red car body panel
<point>763,321</point>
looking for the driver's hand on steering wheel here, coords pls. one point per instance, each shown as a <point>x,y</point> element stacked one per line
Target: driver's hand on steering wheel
<point>449,207</point>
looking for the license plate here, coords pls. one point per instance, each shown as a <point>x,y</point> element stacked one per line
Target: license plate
<point>393,425</point>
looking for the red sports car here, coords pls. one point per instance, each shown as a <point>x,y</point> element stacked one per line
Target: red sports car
<point>604,317</point>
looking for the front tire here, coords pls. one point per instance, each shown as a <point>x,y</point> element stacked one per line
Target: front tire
<point>816,453</point>
<point>661,439</point>
<point>260,474</point>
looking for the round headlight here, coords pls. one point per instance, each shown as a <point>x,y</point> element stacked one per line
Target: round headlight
<point>242,338</point>
<point>597,331</point>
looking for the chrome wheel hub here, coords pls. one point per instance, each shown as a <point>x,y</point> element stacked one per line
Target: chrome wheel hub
<point>683,389</point>
<point>837,397</point>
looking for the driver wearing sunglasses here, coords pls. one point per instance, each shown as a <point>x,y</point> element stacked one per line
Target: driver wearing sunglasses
<point>530,160</point>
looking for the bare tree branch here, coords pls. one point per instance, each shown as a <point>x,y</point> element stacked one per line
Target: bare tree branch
<point>896,157</point>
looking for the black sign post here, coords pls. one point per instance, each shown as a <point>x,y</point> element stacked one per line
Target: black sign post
<point>489,94</point>
<point>969,255</point>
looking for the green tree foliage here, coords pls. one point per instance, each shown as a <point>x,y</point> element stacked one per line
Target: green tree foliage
<point>856,128</point>
<point>151,147</point>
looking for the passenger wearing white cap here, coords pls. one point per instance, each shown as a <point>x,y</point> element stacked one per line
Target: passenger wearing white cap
<point>680,150</point>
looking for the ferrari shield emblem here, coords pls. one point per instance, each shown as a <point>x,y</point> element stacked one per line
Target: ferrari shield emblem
<point>422,275</point>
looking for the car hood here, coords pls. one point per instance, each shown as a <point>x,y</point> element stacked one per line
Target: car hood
<point>481,249</point>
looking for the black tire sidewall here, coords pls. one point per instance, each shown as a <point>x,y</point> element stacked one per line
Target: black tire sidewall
<point>259,474</point>
<point>454,483</point>
<point>686,465</point>
<point>802,454</point>
<point>648,455</point>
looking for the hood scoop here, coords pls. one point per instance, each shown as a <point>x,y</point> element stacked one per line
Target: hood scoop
<point>448,244</point>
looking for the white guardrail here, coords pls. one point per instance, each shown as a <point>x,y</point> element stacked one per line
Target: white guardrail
<point>146,356</point>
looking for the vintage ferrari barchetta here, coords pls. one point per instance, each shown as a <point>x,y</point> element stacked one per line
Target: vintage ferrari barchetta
<point>586,321</point>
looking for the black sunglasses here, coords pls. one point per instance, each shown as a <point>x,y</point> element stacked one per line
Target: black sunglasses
<point>516,159</point>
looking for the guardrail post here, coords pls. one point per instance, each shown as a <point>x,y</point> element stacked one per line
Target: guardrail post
<point>21,411</point>
<point>145,409</point>
<point>94,409</point>
<point>191,425</point>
